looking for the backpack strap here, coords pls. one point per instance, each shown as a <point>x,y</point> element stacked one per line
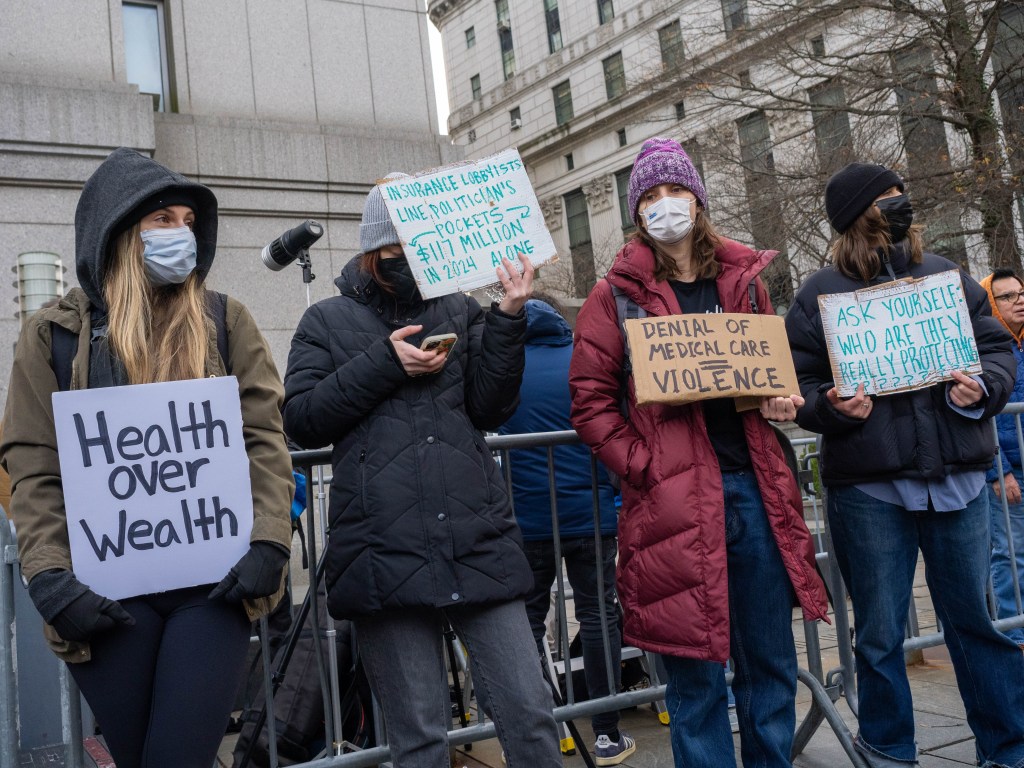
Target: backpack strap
<point>218,303</point>
<point>63,348</point>
<point>752,295</point>
<point>626,309</point>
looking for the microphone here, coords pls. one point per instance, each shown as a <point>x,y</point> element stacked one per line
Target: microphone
<point>289,246</point>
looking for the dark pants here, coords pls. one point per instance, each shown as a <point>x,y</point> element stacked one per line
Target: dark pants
<point>581,566</point>
<point>162,690</point>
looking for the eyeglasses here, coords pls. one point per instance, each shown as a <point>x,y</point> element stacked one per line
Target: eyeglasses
<point>1011,298</point>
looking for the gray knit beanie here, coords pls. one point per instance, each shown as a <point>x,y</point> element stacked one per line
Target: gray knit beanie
<point>376,229</point>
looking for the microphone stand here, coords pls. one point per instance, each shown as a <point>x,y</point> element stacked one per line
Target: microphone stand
<point>308,277</point>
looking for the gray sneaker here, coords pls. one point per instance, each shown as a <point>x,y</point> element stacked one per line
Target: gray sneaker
<point>608,752</point>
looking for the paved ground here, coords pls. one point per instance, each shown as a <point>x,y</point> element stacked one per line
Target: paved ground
<point>943,736</point>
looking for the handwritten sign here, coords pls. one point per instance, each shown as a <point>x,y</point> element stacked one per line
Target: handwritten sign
<point>156,484</point>
<point>899,336</point>
<point>684,358</point>
<point>457,224</point>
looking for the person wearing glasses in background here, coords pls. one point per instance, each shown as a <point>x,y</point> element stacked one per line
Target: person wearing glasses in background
<point>1006,296</point>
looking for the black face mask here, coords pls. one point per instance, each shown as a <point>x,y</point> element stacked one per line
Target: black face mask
<point>398,274</point>
<point>899,215</point>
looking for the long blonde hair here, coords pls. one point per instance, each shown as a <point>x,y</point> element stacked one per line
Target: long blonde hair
<point>855,254</point>
<point>158,334</point>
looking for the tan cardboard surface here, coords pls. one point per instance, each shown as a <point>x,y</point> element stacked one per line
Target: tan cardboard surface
<point>684,358</point>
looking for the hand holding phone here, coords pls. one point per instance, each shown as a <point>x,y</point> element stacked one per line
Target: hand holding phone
<point>442,342</point>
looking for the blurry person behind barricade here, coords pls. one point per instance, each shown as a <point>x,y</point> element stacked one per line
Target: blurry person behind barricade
<point>906,472</point>
<point>712,542</point>
<point>421,529</point>
<point>1006,297</point>
<point>544,407</point>
<point>158,671</point>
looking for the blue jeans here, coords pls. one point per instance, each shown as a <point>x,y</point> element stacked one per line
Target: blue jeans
<point>876,547</point>
<point>403,655</point>
<point>763,654</point>
<point>1002,572</point>
<point>581,566</point>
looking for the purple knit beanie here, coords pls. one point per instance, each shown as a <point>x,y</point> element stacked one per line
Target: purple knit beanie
<point>662,161</point>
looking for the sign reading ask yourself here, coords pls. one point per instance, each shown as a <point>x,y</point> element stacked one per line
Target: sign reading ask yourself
<point>683,358</point>
<point>156,484</point>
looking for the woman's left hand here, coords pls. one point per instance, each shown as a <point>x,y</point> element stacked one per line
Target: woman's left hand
<point>966,392</point>
<point>781,408</point>
<point>518,288</point>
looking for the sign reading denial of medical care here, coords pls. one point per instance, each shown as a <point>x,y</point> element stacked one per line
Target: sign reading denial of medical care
<point>156,484</point>
<point>457,224</point>
<point>684,358</point>
<point>899,336</point>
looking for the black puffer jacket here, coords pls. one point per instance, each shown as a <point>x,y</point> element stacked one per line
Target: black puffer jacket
<point>419,514</point>
<point>913,435</point>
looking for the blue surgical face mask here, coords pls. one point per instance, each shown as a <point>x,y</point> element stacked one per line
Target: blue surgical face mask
<point>170,255</point>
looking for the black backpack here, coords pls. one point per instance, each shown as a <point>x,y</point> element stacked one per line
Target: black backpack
<point>64,343</point>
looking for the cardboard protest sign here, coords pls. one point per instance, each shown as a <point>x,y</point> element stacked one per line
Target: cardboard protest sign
<point>457,223</point>
<point>685,358</point>
<point>156,484</point>
<point>899,336</point>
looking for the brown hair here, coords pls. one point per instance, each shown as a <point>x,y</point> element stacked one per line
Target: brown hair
<point>854,253</point>
<point>705,240</point>
<point>158,334</point>
<point>370,263</point>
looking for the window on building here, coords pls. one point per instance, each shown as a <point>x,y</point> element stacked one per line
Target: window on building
<point>605,11</point>
<point>735,14</point>
<point>621,136</point>
<point>622,189</point>
<point>765,212</point>
<point>580,245</point>
<point>818,46</point>
<point>670,40</point>
<point>614,76</point>
<point>680,110</point>
<point>743,76</point>
<point>515,118</point>
<point>693,149</point>
<point>474,86</point>
<point>924,140</point>
<point>569,162</point>
<point>563,102</point>
<point>1008,65</point>
<point>553,24</point>
<point>470,37</point>
<point>145,51</point>
<point>508,53</point>
<point>831,126</point>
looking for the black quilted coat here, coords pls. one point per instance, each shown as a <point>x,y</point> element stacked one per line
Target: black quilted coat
<point>419,515</point>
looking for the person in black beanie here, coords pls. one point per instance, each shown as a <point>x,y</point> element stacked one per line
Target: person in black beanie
<point>906,472</point>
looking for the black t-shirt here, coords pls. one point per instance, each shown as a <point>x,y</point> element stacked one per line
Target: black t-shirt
<point>725,425</point>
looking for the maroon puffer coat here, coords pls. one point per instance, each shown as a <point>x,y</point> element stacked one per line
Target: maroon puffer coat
<point>672,577</point>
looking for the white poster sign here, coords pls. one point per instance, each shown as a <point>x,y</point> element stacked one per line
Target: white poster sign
<point>457,224</point>
<point>899,336</point>
<point>156,484</point>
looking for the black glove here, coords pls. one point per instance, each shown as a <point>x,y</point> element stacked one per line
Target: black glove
<point>257,574</point>
<point>71,608</point>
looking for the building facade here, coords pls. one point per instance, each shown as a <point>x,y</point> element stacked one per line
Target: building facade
<point>287,109</point>
<point>769,99</point>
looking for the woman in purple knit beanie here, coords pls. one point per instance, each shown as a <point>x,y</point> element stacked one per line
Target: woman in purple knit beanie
<point>713,549</point>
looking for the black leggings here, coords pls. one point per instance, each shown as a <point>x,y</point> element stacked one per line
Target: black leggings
<point>162,690</point>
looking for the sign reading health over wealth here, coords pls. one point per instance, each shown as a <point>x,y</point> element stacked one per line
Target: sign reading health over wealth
<point>458,223</point>
<point>899,336</point>
<point>156,484</point>
<point>683,358</point>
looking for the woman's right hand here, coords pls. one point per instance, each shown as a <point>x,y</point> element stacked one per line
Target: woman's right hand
<point>415,361</point>
<point>1013,495</point>
<point>857,407</point>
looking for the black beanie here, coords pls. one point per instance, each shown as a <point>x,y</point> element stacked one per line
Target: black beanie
<point>850,191</point>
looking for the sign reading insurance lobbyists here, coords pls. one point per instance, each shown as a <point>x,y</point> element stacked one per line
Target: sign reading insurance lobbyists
<point>684,358</point>
<point>898,336</point>
<point>156,484</point>
<point>457,224</point>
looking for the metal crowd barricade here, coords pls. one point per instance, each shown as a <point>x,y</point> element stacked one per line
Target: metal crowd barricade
<point>826,686</point>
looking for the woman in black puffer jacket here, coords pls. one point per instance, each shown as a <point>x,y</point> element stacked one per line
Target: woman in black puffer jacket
<point>421,527</point>
<point>906,472</point>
